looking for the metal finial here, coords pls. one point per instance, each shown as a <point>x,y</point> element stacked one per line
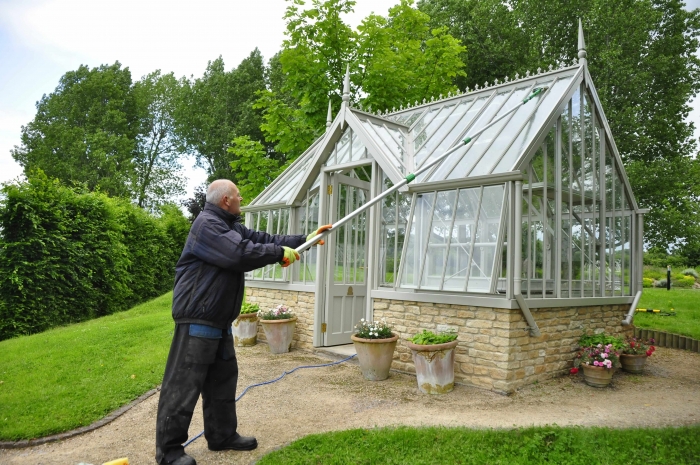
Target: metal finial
<point>527,73</point>
<point>517,76</point>
<point>329,119</point>
<point>346,86</point>
<point>506,79</point>
<point>550,67</point>
<point>476,87</point>
<point>582,55</point>
<point>539,70</point>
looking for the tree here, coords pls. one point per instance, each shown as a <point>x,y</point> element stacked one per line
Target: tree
<point>495,44</point>
<point>320,45</point>
<point>217,108</point>
<point>252,164</point>
<point>85,131</point>
<point>157,169</point>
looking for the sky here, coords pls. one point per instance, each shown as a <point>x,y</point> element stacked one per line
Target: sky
<point>40,40</point>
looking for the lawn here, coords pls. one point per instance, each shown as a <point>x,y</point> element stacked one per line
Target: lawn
<point>686,304</point>
<point>548,444</point>
<point>69,377</point>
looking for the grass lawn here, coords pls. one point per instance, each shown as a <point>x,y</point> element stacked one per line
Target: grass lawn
<point>686,304</point>
<point>571,446</point>
<point>69,377</point>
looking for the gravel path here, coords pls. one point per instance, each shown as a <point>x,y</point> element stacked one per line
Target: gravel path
<point>337,398</point>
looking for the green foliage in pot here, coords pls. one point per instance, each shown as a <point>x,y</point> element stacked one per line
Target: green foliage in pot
<point>249,308</point>
<point>426,338</point>
<point>592,340</point>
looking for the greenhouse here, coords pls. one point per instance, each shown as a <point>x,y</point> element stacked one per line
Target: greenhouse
<point>521,239</point>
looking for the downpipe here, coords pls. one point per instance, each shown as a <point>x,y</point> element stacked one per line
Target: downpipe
<point>630,315</point>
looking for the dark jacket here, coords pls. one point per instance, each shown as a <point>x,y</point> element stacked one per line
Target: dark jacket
<point>209,280</point>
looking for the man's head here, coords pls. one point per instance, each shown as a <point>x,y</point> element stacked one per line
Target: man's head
<point>224,194</point>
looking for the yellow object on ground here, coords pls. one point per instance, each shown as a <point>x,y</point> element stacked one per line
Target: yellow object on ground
<point>121,461</point>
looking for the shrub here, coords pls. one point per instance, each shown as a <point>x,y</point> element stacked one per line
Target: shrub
<point>661,283</point>
<point>654,273</point>
<point>68,255</point>
<point>682,281</point>
<point>647,282</point>
<point>691,272</point>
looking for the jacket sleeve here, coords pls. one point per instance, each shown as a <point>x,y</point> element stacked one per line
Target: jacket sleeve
<point>260,237</point>
<point>216,244</point>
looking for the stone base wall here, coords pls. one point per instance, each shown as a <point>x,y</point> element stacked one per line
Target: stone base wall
<point>495,348</point>
<point>301,303</point>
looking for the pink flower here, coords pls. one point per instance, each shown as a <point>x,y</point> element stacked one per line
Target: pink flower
<point>595,363</point>
<point>604,355</point>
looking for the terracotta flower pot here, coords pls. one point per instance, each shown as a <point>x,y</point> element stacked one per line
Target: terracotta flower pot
<point>279,334</point>
<point>633,363</point>
<point>597,376</point>
<point>245,330</point>
<point>435,366</point>
<point>375,356</point>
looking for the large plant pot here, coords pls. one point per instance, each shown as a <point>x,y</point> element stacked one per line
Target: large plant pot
<point>375,356</point>
<point>633,363</point>
<point>435,366</point>
<point>279,334</point>
<point>597,376</point>
<point>245,330</point>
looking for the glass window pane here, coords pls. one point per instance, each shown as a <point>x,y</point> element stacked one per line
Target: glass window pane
<point>437,241</point>
<point>461,240</point>
<point>417,238</point>
<point>484,252</point>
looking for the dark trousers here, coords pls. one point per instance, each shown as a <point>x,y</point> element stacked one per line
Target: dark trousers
<point>196,365</point>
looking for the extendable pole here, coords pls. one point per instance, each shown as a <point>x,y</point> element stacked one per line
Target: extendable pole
<point>306,245</point>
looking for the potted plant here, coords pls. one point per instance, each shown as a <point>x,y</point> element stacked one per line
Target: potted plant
<point>434,359</point>
<point>374,343</point>
<point>278,324</point>
<point>245,326</point>
<point>634,354</point>
<point>598,363</point>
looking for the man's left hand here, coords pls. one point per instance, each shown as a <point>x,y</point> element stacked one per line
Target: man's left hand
<point>317,232</point>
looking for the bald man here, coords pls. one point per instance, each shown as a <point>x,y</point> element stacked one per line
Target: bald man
<point>209,287</point>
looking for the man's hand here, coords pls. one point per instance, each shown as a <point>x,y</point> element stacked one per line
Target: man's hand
<point>317,232</point>
<point>290,256</point>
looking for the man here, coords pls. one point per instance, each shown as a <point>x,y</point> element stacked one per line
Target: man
<point>209,287</point>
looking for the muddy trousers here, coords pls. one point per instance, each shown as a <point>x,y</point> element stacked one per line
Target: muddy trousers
<point>196,365</point>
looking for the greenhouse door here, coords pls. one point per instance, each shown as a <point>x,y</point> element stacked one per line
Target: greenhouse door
<point>346,272</point>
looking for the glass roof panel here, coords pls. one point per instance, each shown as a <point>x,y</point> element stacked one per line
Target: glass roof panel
<point>452,122</point>
<point>473,151</point>
<point>525,133</point>
<point>504,138</point>
<point>440,118</point>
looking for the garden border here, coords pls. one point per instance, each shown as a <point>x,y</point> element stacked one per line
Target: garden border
<point>670,340</point>
<point>82,430</point>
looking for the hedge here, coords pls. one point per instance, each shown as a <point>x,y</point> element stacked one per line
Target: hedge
<point>68,255</point>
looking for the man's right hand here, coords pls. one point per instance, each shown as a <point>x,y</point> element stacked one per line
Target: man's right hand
<point>290,256</point>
